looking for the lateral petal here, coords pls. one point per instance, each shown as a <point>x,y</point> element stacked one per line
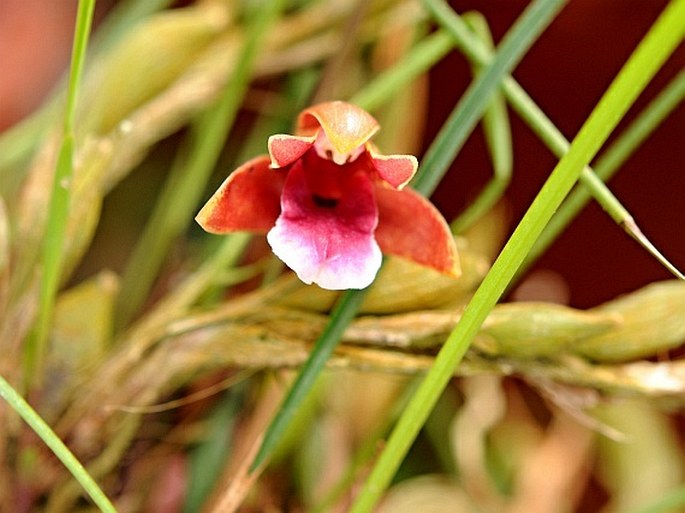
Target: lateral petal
<point>248,200</point>
<point>397,170</point>
<point>285,149</point>
<point>411,227</point>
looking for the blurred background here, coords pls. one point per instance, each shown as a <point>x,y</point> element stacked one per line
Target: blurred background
<point>593,261</point>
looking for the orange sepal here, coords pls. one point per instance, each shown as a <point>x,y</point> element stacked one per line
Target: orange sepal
<point>248,200</point>
<point>411,227</point>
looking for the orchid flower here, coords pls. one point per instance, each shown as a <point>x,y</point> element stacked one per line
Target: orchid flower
<point>331,204</point>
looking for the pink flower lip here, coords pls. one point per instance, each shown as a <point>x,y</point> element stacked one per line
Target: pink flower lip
<point>326,237</point>
<point>331,204</point>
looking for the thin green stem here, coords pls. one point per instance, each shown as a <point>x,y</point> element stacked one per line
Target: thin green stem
<point>611,160</point>
<point>19,141</point>
<point>56,445</point>
<point>58,209</point>
<point>658,44</point>
<point>478,52</point>
<point>642,127</point>
<point>189,176</point>
<point>497,133</point>
<point>472,105</point>
<point>418,60</point>
<point>343,313</point>
<point>84,20</point>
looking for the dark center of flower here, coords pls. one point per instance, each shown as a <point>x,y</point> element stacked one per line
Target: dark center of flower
<point>323,202</point>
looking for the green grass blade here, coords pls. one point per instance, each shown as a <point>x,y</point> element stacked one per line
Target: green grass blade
<point>56,445</point>
<point>51,258</point>
<point>18,142</point>
<point>630,226</point>
<point>473,104</point>
<point>478,52</point>
<point>642,127</point>
<point>342,315</point>
<point>188,177</point>
<point>418,60</point>
<point>497,133</point>
<point>658,44</point>
<point>612,159</point>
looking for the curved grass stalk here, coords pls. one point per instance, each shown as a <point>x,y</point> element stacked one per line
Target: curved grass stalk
<point>52,261</point>
<point>53,242</point>
<point>19,141</point>
<point>419,59</point>
<point>56,446</point>
<point>473,104</point>
<point>610,161</point>
<point>661,40</point>
<point>341,317</point>
<point>477,52</point>
<point>497,133</point>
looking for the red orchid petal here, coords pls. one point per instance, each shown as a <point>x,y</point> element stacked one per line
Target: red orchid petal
<point>328,241</point>
<point>397,170</point>
<point>411,227</point>
<point>286,149</point>
<point>248,200</point>
<point>346,126</point>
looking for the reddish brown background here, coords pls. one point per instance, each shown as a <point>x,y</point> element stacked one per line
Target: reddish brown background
<point>566,72</point>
